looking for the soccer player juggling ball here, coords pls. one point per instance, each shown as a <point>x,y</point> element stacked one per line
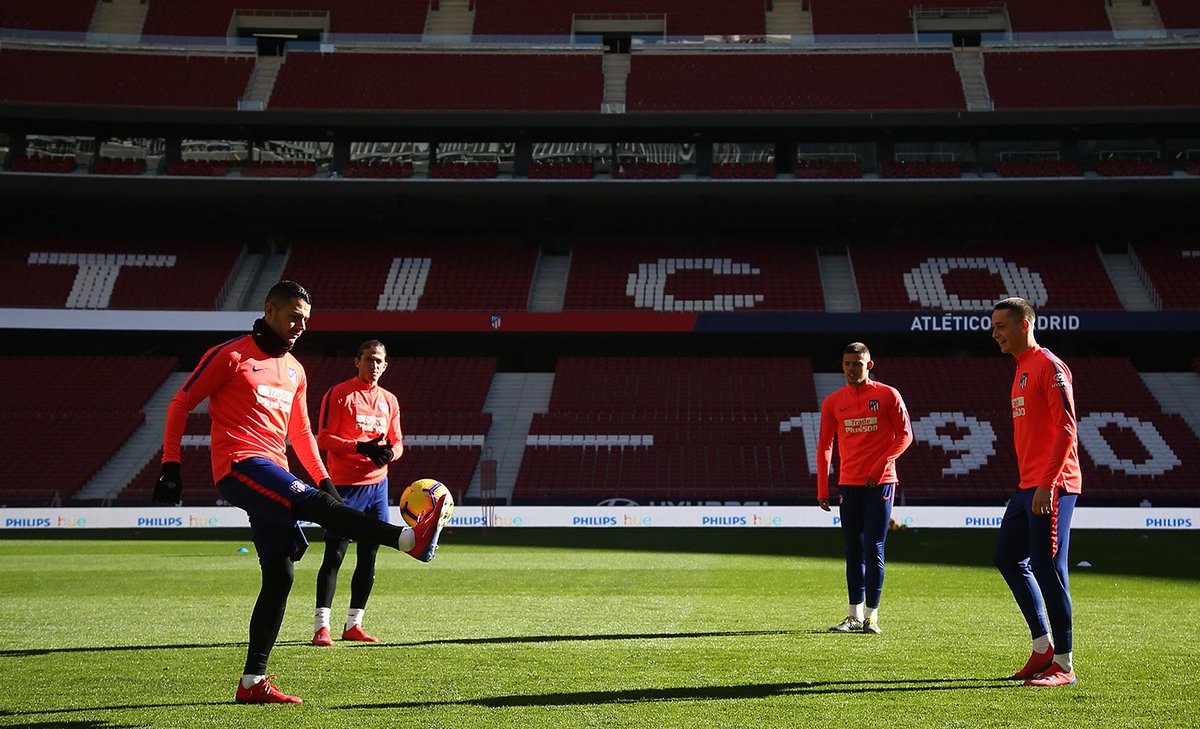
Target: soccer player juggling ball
<point>360,433</point>
<point>257,401</point>
<point>872,429</point>
<point>1031,551</point>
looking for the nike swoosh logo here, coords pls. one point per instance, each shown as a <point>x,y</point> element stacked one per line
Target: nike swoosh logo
<point>845,408</point>
<point>257,369</point>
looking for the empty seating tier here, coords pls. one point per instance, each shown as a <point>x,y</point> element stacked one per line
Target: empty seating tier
<point>57,436</point>
<point>62,15</point>
<point>1075,79</point>
<point>683,17</point>
<point>793,82</point>
<point>716,277</point>
<point>668,429</point>
<point>450,274</point>
<point>971,278</point>
<point>100,78</point>
<point>440,81</point>
<point>116,275</point>
<point>893,17</point>
<point>1173,269</point>
<point>215,17</point>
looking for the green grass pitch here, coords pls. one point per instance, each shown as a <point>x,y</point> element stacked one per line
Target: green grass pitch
<point>605,627</point>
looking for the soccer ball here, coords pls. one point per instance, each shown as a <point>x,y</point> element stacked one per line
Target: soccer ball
<point>420,496</point>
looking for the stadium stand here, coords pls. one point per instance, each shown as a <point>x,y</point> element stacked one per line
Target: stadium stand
<point>818,169</point>
<point>744,170</point>
<point>459,170</point>
<point>683,17</point>
<point>1173,270</point>
<point>43,164</point>
<point>970,277</point>
<point>562,170</point>
<point>442,418</point>
<point>664,82</point>
<point>57,435</point>
<point>374,169</point>
<point>668,429</point>
<point>1130,449</point>
<point>102,78</point>
<point>116,274</point>
<point>1037,168</point>
<point>120,166</point>
<point>892,17</point>
<point>919,169</point>
<point>280,168</point>
<point>1178,14</point>
<point>72,16</point>
<point>464,81</point>
<point>468,275</point>
<point>1094,79</point>
<point>645,170</point>
<point>1131,168</point>
<point>726,276</point>
<point>197,168</point>
<point>215,17</point>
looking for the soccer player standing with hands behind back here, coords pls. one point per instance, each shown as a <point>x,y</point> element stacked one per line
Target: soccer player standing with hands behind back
<point>872,429</point>
<point>1031,551</point>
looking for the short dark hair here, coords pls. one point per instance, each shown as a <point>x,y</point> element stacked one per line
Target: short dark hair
<point>857,348</point>
<point>1019,306</point>
<point>371,344</point>
<point>285,292</point>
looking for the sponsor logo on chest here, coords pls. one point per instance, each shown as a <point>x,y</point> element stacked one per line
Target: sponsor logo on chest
<point>861,425</point>
<point>274,398</point>
<point>1018,406</point>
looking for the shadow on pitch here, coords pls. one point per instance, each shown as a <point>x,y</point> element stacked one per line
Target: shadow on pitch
<point>708,693</point>
<point>515,639</point>
<point>92,724</point>
<point>24,652</point>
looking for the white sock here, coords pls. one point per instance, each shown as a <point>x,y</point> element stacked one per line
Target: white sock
<point>321,619</point>
<point>249,679</point>
<point>407,539</point>
<point>354,617</point>
<point>1064,661</point>
<point>872,612</point>
<point>856,611</point>
<point>1041,644</point>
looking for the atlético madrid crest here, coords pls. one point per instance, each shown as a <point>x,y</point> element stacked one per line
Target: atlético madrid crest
<point>1024,379</point>
<point>873,405</point>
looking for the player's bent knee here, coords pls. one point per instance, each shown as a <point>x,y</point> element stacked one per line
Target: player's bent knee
<point>315,506</point>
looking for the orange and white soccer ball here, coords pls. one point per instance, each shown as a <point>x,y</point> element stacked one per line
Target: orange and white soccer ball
<point>420,496</point>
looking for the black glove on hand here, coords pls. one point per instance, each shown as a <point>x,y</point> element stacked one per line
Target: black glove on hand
<point>327,486</point>
<point>169,487</point>
<point>376,450</point>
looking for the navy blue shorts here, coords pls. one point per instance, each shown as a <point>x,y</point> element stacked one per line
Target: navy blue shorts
<point>268,494</point>
<point>371,499</point>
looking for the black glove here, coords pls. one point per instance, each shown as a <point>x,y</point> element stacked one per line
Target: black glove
<point>379,452</point>
<point>168,489</point>
<point>327,486</point>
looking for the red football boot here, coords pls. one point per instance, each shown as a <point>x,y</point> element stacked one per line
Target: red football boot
<point>321,637</point>
<point>1053,676</point>
<point>264,692</point>
<point>425,533</point>
<point>1037,663</point>
<point>355,632</point>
